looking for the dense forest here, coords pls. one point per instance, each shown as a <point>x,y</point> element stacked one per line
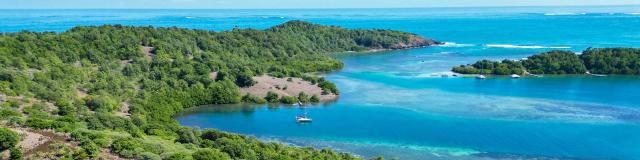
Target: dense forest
<point>621,61</point>
<point>117,87</point>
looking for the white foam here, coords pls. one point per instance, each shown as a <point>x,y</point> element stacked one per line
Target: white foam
<point>633,13</point>
<point>189,17</point>
<point>524,47</point>
<point>564,14</point>
<point>435,75</point>
<point>452,44</point>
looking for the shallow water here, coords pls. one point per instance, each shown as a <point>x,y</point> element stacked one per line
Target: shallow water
<point>396,103</point>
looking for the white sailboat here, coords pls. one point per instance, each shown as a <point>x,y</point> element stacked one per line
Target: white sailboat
<point>303,118</point>
<point>481,76</point>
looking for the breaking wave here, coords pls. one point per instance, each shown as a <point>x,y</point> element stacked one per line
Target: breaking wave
<point>525,47</point>
<point>452,44</point>
<point>564,14</point>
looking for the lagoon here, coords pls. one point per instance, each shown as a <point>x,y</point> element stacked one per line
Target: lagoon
<point>395,103</point>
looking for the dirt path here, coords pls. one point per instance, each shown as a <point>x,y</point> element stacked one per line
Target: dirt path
<point>147,52</point>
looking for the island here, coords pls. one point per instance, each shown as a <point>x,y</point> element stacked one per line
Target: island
<point>111,91</point>
<point>593,61</point>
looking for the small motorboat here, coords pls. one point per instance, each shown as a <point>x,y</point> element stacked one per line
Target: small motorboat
<point>515,76</point>
<point>481,77</point>
<point>303,118</point>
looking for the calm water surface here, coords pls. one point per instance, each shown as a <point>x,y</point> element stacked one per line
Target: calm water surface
<point>396,103</point>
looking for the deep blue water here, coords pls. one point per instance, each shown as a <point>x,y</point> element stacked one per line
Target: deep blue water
<point>396,103</point>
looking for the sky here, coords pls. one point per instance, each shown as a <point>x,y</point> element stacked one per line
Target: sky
<point>279,4</point>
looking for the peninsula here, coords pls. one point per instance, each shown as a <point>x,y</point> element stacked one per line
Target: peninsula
<point>111,91</point>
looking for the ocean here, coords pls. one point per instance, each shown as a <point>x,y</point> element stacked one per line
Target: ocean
<point>398,104</point>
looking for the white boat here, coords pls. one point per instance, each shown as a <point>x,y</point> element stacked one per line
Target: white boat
<point>481,77</point>
<point>515,76</point>
<point>597,75</point>
<point>303,118</point>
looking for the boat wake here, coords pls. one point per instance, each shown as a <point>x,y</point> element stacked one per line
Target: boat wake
<point>525,47</point>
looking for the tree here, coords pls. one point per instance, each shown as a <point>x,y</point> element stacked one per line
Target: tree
<point>8,139</point>
<point>209,154</point>
<point>148,156</point>
<point>271,97</point>
<point>245,80</point>
<point>314,99</point>
<point>102,103</point>
<point>253,99</point>
<point>187,135</point>
<point>303,97</point>
<point>125,147</point>
<point>180,156</point>
<point>288,100</point>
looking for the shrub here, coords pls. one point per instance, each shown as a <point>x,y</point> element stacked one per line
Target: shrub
<point>16,154</point>
<point>126,147</point>
<point>303,97</point>
<point>5,114</point>
<point>288,100</point>
<point>8,139</point>
<point>187,135</point>
<point>39,123</point>
<point>314,99</point>
<point>253,99</point>
<point>102,103</point>
<point>209,154</point>
<point>180,156</point>
<point>271,97</point>
<point>148,156</point>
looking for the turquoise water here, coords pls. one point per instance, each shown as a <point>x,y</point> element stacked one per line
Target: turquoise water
<point>396,103</point>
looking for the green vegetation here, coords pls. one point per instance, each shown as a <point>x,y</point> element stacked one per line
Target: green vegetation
<point>314,99</point>
<point>8,139</point>
<point>253,99</point>
<point>612,61</point>
<point>15,154</point>
<point>288,100</point>
<point>599,61</point>
<point>506,67</point>
<point>209,154</point>
<point>117,87</point>
<point>303,97</point>
<point>272,97</point>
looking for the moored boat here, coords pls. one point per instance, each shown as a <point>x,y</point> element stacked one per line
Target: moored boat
<point>303,118</point>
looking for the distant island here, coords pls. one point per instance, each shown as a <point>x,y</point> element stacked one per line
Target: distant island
<point>599,61</point>
<point>112,91</point>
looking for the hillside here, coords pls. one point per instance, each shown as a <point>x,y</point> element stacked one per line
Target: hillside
<point>114,89</point>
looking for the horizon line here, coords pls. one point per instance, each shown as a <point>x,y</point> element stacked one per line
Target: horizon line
<point>302,8</point>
